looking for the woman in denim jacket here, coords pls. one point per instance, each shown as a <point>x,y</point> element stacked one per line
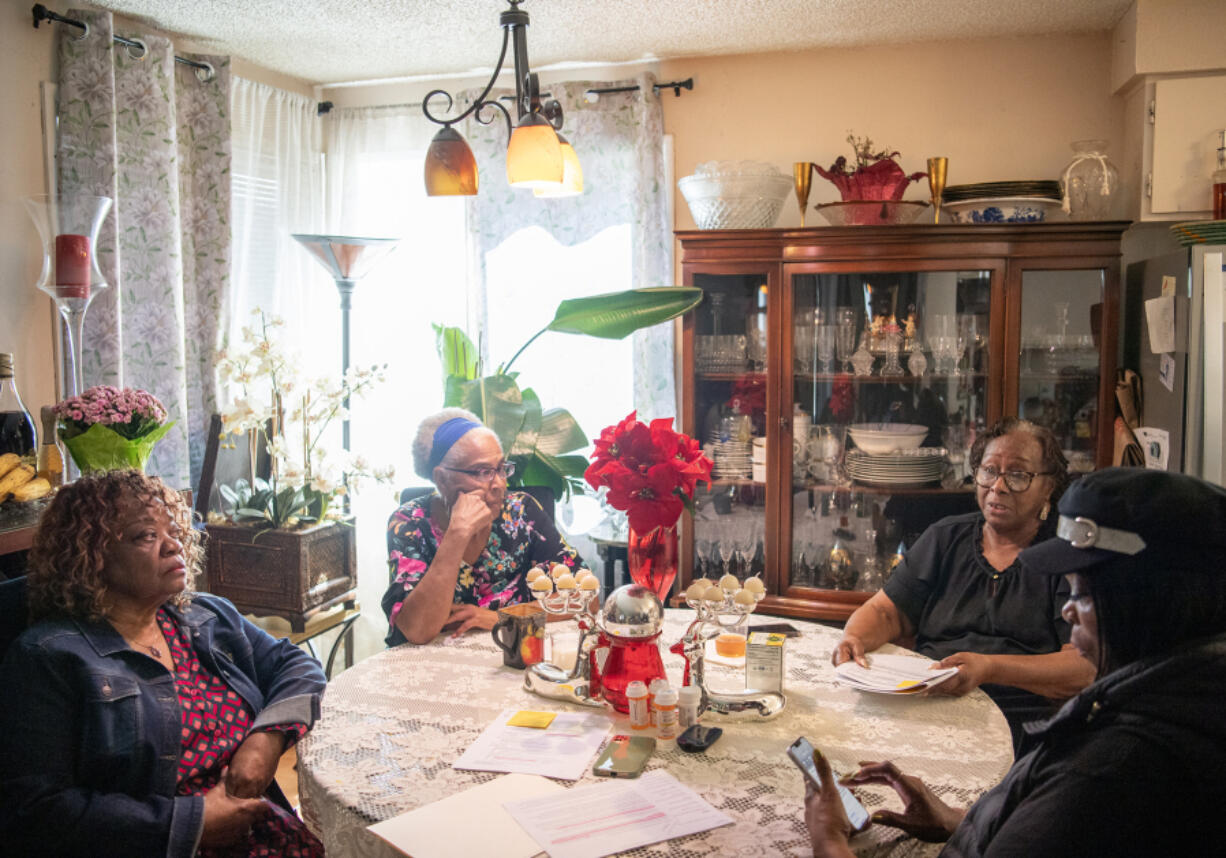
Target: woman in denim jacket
<point>137,719</point>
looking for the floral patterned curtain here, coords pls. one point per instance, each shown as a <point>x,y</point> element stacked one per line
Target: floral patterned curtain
<point>619,138</point>
<point>154,137</point>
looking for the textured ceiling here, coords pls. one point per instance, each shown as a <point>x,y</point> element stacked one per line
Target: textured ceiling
<point>332,41</point>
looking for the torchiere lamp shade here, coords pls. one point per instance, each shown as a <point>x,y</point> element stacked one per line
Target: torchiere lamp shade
<point>534,155</point>
<point>572,174</point>
<point>451,169</point>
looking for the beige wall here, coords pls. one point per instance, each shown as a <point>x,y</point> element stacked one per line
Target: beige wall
<point>998,109</point>
<point>25,315</point>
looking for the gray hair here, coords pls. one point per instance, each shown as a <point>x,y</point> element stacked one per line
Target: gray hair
<point>423,441</point>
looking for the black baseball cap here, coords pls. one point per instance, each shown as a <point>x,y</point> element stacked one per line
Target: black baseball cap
<point>1119,512</point>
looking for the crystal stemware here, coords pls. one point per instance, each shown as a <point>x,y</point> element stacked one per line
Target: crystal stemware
<point>893,344</point>
<point>846,336</point>
<point>826,336</point>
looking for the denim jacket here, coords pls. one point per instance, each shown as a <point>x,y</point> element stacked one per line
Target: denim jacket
<point>90,730</point>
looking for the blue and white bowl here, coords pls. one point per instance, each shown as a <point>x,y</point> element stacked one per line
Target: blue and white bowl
<point>1001,210</point>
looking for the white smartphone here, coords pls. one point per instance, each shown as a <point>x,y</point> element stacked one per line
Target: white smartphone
<point>801,753</point>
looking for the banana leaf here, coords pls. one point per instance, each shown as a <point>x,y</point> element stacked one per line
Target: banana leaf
<point>615,315</point>
<point>457,353</point>
<point>530,429</point>
<point>562,473</point>
<point>497,400</point>
<point>560,433</point>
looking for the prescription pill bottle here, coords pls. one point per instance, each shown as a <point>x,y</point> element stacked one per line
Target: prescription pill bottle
<point>689,697</point>
<point>636,697</point>
<point>656,685</point>
<point>666,718</point>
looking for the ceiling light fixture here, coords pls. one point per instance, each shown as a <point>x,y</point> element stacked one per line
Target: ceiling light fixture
<point>537,156</point>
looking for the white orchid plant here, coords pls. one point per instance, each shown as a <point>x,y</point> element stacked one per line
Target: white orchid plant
<point>276,404</point>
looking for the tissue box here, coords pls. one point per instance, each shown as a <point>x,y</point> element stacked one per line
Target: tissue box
<point>764,661</point>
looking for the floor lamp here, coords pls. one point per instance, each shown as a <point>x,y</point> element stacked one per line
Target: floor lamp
<point>348,259</point>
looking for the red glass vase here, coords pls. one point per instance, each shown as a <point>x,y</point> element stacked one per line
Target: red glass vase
<point>630,659</point>
<point>652,558</point>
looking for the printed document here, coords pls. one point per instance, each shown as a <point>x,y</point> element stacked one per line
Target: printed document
<point>563,750</point>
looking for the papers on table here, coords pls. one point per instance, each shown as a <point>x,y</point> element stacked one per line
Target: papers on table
<point>600,819</point>
<point>562,750</point>
<point>892,674</point>
<point>445,828</point>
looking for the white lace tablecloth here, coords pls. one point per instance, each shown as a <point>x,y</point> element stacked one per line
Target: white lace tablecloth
<point>393,724</point>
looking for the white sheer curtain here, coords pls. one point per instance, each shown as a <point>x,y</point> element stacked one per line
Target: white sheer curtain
<point>278,190</point>
<point>375,189</point>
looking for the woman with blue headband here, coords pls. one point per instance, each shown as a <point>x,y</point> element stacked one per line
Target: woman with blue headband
<point>461,553</point>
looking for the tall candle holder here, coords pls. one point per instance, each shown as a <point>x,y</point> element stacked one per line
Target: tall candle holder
<point>68,225</point>
<point>567,595</point>
<point>723,606</point>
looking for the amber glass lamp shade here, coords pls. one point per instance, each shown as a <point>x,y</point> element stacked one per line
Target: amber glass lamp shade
<point>534,155</point>
<point>451,169</point>
<point>572,174</point>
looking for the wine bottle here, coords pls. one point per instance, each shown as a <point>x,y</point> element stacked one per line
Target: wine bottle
<point>50,454</point>
<point>17,433</point>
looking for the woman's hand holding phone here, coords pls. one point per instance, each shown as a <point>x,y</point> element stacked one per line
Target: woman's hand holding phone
<point>924,815</point>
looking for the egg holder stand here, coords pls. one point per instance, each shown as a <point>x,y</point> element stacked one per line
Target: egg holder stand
<point>723,616</point>
<point>574,685</point>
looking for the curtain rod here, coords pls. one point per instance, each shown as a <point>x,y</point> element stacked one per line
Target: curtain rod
<point>676,86</point>
<point>204,71</point>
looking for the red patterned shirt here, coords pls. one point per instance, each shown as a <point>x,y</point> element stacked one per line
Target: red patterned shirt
<point>215,722</point>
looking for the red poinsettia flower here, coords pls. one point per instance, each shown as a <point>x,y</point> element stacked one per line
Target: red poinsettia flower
<point>651,472</point>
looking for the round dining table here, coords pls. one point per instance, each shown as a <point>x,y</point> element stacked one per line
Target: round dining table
<point>392,726</point>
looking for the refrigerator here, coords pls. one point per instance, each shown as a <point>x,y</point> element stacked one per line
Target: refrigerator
<point>1184,389</point>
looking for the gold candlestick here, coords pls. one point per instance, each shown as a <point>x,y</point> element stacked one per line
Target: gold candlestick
<point>802,177</point>
<point>936,182</point>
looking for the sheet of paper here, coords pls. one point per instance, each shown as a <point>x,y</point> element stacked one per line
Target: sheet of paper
<point>893,674</point>
<point>1168,285</point>
<point>562,750</point>
<point>1156,444</point>
<point>600,819</point>
<point>1166,372</point>
<point>445,828</point>
<point>1160,316</point>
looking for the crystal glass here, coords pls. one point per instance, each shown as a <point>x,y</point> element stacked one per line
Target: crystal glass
<point>68,225</point>
<point>825,337</point>
<point>804,346</point>
<point>916,362</point>
<point>862,360</point>
<point>845,338</point>
<point>893,343</point>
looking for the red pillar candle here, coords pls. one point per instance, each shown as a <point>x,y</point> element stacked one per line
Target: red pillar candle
<point>72,266</point>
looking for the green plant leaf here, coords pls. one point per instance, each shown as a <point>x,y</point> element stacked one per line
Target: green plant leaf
<point>560,433</point>
<point>537,471</point>
<point>453,392</point>
<point>530,429</point>
<point>614,315</point>
<point>458,354</point>
<point>497,400</point>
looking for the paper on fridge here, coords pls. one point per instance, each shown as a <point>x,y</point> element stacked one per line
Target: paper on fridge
<point>600,819</point>
<point>445,828</point>
<point>1160,317</point>
<point>562,750</point>
<point>893,674</point>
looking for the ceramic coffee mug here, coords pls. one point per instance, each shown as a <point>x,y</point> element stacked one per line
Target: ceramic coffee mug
<point>520,634</point>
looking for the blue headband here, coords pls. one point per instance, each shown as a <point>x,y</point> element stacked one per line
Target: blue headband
<point>446,435</point>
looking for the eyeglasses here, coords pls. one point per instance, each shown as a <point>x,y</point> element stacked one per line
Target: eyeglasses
<point>485,475</point>
<point>1016,481</point>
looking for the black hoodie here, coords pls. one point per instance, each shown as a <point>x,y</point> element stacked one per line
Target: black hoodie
<point>1135,765</point>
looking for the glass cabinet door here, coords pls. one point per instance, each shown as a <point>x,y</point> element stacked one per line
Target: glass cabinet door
<point>889,381</point>
<point>731,348</point>
<point>1058,375</point>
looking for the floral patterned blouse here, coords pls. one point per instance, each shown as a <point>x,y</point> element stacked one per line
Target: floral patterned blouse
<point>523,537</point>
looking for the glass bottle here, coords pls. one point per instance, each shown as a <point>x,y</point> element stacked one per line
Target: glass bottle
<point>17,433</point>
<point>1219,179</point>
<point>50,454</point>
<point>1090,182</point>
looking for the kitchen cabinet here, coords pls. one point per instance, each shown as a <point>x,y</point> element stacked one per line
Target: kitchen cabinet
<point>956,327</point>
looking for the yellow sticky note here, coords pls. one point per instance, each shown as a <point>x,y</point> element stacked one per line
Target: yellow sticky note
<point>527,718</point>
<point>908,684</point>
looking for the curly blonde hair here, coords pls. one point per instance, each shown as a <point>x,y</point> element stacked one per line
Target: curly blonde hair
<point>77,528</point>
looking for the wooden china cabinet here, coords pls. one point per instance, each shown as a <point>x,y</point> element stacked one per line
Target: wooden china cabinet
<point>953,327</point>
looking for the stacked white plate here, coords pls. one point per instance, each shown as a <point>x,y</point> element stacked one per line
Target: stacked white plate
<point>733,459</point>
<point>900,468</point>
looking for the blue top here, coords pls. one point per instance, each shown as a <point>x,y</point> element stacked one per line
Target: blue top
<point>90,730</point>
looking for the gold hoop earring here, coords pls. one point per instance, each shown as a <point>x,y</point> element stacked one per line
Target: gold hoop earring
<point>1043,513</point>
